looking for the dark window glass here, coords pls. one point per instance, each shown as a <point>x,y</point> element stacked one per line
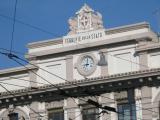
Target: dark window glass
<point>127,112</point>
<point>56,114</point>
<point>13,116</point>
<point>90,114</point>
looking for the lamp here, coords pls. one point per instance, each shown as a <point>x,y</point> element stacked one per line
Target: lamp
<point>102,61</point>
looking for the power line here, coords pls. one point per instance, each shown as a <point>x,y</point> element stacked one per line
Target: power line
<point>15,96</point>
<point>89,101</point>
<point>13,27</point>
<point>29,25</point>
<point>54,74</point>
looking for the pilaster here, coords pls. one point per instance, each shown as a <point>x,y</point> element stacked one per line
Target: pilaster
<point>143,60</point>
<point>33,78</point>
<point>105,100</point>
<point>104,68</point>
<point>72,110</point>
<point>32,75</point>
<point>143,56</point>
<point>69,67</point>
<point>37,111</point>
<point>146,103</point>
<point>138,102</point>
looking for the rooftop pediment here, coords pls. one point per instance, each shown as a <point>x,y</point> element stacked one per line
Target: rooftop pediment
<point>86,19</point>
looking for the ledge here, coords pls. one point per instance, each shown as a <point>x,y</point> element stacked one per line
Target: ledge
<point>17,69</point>
<point>85,82</point>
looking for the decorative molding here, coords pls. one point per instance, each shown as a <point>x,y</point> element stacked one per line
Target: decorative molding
<point>90,81</point>
<point>112,41</point>
<point>85,20</point>
<point>148,47</point>
<point>127,28</point>
<point>17,70</point>
<point>18,110</point>
<point>54,104</point>
<point>78,65</point>
<point>45,43</point>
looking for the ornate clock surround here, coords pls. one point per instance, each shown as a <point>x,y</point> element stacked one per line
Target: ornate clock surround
<point>79,67</point>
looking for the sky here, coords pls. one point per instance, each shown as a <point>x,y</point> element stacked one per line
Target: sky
<point>51,16</point>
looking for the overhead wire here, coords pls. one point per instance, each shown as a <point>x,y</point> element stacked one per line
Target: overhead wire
<point>12,58</point>
<point>147,66</point>
<point>114,56</point>
<point>13,27</point>
<point>65,79</point>
<point>15,96</point>
<point>29,25</point>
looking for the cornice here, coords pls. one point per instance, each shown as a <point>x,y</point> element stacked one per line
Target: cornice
<point>127,28</point>
<point>16,70</point>
<point>45,43</point>
<point>146,35</point>
<point>87,82</point>
<point>148,47</point>
<point>115,30</point>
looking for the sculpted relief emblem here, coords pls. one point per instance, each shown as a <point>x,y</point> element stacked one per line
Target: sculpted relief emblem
<point>85,20</point>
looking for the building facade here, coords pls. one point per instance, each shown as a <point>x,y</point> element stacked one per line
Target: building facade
<point>117,68</point>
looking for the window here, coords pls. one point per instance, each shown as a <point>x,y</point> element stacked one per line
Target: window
<point>13,116</point>
<point>90,114</point>
<point>127,112</point>
<point>56,114</point>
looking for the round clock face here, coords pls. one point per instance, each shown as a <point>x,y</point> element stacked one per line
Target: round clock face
<point>86,64</point>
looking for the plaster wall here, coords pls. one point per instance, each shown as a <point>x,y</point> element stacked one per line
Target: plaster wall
<point>153,60</point>
<point>122,59</point>
<point>56,66</point>
<point>15,82</point>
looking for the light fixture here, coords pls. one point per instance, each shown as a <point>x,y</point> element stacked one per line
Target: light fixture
<point>102,61</point>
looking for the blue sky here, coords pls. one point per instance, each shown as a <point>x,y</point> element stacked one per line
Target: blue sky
<point>52,16</point>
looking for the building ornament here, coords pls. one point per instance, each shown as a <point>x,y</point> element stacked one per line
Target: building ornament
<point>86,19</point>
<point>86,64</point>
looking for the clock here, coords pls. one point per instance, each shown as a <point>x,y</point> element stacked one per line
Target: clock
<point>86,64</point>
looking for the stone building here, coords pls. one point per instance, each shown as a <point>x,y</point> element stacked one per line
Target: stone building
<point>117,67</point>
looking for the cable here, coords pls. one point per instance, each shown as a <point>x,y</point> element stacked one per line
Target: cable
<point>13,27</point>
<point>13,84</point>
<point>50,72</point>
<point>15,96</point>
<point>29,25</point>
<point>62,92</point>
<point>45,70</point>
